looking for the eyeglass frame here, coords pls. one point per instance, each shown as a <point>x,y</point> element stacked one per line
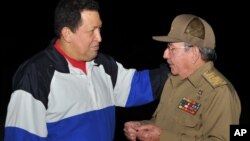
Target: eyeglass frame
<point>171,50</point>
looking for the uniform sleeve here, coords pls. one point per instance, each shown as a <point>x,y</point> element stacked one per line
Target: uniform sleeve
<point>223,111</point>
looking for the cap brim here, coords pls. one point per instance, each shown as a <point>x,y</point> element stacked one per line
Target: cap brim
<point>165,39</point>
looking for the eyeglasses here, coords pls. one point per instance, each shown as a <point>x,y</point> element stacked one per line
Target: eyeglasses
<point>172,49</point>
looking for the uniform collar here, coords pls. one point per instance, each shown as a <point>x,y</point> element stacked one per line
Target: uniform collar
<point>195,77</point>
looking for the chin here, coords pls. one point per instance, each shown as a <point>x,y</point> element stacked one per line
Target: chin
<point>93,56</point>
<point>173,72</point>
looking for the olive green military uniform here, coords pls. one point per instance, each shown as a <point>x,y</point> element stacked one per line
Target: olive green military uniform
<point>200,107</point>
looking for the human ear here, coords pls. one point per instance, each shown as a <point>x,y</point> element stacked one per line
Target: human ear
<point>66,34</point>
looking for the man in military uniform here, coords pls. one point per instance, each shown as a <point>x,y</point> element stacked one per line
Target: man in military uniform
<point>198,102</point>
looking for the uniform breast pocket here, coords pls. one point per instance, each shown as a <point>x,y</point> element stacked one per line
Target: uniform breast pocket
<point>186,119</point>
<point>187,124</point>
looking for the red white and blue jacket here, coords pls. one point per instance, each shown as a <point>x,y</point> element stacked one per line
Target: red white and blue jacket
<point>54,101</point>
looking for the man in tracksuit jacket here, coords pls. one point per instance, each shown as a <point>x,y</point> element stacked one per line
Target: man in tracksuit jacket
<point>69,91</point>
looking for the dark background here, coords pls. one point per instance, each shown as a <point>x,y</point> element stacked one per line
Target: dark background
<point>128,25</point>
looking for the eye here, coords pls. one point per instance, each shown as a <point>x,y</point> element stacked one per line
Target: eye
<point>92,30</point>
<point>171,49</point>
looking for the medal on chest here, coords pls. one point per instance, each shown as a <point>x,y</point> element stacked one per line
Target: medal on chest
<point>189,106</point>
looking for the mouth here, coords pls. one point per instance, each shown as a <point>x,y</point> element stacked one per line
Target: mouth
<point>169,62</point>
<point>96,48</point>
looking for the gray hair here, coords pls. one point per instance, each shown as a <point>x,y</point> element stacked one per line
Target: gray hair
<point>207,54</point>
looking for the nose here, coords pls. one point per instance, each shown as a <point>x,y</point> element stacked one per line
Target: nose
<point>166,54</point>
<point>98,35</point>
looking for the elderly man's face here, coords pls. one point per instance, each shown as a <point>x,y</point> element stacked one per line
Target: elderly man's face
<point>179,58</point>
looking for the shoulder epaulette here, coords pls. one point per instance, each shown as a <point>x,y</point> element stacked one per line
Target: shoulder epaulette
<point>214,79</point>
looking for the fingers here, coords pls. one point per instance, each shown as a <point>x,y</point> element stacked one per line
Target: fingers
<point>146,127</point>
<point>144,132</point>
<point>133,124</point>
<point>148,132</point>
<point>131,137</point>
<point>130,130</point>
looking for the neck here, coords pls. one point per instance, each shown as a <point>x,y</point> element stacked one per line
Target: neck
<point>67,49</point>
<point>195,66</point>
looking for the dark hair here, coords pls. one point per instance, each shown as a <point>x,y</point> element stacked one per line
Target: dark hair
<point>68,14</point>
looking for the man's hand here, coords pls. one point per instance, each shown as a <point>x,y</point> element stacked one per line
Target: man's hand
<point>148,132</point>
<point>130,129</point>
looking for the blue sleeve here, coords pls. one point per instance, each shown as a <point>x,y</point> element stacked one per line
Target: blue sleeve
<point>18,134</point>
<point>141,90</point>
<point>147,85</point>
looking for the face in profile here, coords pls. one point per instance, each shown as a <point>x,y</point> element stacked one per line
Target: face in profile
<point>178,58</point>
<point>86,39</point>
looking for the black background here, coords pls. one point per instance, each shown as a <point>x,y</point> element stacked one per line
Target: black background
<point>128,25</point>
